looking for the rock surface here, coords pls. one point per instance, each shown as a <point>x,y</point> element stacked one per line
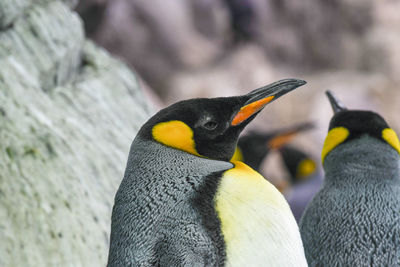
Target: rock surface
<point>68,113</point>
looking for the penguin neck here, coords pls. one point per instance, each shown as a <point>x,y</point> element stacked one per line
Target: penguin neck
<point>361,158</point>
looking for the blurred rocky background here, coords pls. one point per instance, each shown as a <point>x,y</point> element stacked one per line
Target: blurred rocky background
<point>69,110</point>
<point>208,48</point>
<point>68,113</point>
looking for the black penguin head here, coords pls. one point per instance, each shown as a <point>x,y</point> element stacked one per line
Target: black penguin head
<point>299,165</point>
<point>254,147</point>
<point>211,127</point>
<point>347,125</point>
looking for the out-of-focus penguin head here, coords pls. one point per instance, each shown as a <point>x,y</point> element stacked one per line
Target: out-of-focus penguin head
<point>255,146</point>
<point>299,164</point>
<point>347,125</point>
<point>211,127</point>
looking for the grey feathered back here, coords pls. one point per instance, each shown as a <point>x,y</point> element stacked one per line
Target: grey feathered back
<point>354,220</point>
<point>163,212</point>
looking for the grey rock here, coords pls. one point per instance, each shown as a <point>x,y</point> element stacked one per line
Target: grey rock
<point>10,10</point>
<point>46,43</point>
<point>68,113</point>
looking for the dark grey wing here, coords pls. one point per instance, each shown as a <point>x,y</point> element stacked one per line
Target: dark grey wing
<point>132,243</point>
<point>188,245</point>
<point>192,235</point>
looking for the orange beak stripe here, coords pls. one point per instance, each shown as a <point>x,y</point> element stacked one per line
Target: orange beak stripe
<point>279,141</point>
<point>246,111</point>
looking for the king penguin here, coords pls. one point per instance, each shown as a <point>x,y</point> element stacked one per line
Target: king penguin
<point>254,147</point>
<point>183,203</point>
<point>354,220</point>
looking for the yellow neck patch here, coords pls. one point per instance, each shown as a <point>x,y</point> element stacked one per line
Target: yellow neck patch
<point>238,155</point>
<point>305,168</point>
<point>175,134</point>
<point>335,137</point>
<point>390,136</point>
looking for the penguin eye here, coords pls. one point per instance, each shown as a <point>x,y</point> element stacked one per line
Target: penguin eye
<point>210,125</point>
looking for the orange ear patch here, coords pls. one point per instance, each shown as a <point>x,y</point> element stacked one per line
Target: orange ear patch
<point>390,136</point>
<point>335,137</point>
<point>175,134</point>
<point>246,111</point>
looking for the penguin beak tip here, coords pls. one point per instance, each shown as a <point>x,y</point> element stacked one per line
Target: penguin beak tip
<point>336,104</point>
<point>259,98</point>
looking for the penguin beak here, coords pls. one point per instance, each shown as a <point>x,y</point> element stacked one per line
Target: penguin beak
<point>337,106</point>
<point>285,136</point>
<point>259,98</point>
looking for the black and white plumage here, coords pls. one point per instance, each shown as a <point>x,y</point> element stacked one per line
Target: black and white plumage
<point>354,220</point>
<point>183,203</point>
<point>157,207</point>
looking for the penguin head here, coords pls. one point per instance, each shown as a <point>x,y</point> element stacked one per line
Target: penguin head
<point>348,125</point>
<point>299,165</point>
<point>210,127</point>
<point>254,146</point>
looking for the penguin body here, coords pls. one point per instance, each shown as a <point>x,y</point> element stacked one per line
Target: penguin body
<point>354,219</point>
<point>182,203</point>
<point>162,221</point>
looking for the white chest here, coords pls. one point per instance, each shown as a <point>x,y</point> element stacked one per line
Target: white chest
<point>256,222</point>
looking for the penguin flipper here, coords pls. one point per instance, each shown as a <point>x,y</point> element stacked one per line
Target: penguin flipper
<point>181,258</point>
<point>188,245</point>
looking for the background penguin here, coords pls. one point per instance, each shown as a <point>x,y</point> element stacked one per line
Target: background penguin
<point>182,203</point>
<point>305,178</point>
<point>355,220</point>
<point>253,147</point>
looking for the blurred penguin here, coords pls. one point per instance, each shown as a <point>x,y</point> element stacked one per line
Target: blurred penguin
<point>305,178</point>
<point>254,147</point>
<point>242,19</point>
